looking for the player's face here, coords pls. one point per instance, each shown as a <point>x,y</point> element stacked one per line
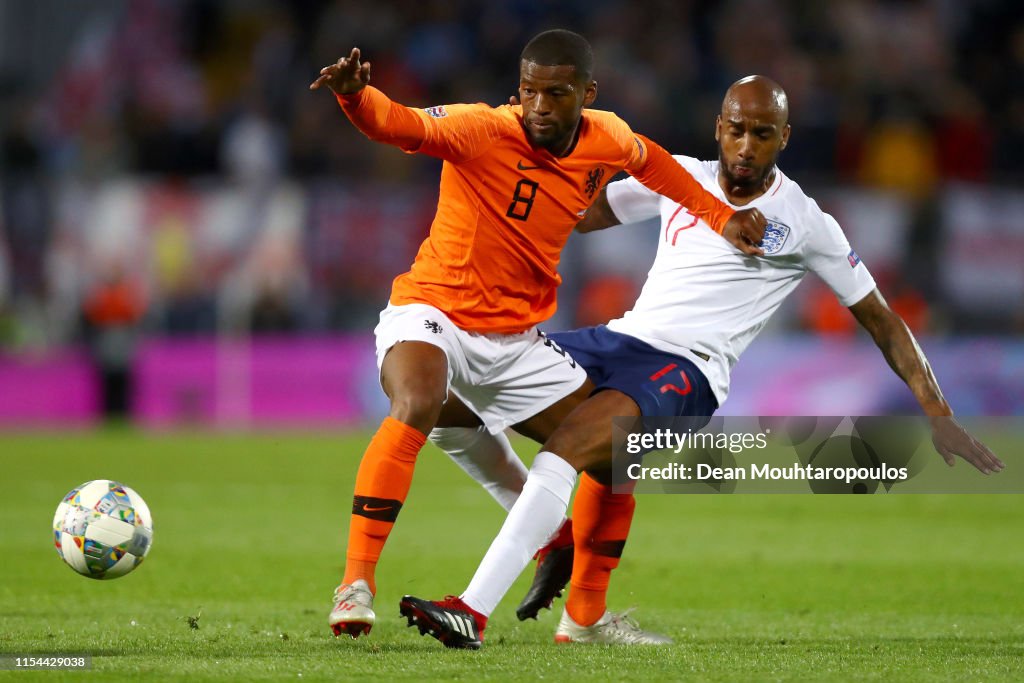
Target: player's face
<point>553,100</point>
<point>749,141</point>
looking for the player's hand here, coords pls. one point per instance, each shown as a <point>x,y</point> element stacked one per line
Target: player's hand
<point>745,230</point>
<point>348,76</point>
<point>951,439</point>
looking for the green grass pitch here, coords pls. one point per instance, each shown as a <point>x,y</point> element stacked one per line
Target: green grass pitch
<point>249,538</point>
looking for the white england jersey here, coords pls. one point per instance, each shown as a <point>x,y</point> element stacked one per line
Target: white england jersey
<point>704,296</point>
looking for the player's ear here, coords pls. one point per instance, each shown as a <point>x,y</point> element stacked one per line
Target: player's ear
<point>590,93</point>
<point>718,128</point>
<point>785,137</point>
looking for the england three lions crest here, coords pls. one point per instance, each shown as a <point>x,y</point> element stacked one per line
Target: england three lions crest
<point>775,235</point>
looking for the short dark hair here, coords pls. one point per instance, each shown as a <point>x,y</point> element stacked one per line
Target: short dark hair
<point>559,47</point>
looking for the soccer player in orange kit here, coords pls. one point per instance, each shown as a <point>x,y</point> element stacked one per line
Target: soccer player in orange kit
<point>515,181</point>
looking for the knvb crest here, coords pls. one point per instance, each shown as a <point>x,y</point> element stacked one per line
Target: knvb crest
<point>775,235</point>
<point>594,181</point>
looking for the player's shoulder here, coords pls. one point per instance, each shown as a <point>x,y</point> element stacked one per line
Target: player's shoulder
<point>607,125</point>
<point>603,119</point>
<point>797,204</point>
<point>786,190</point>
<point>481,112</point>
<point>698,168</point>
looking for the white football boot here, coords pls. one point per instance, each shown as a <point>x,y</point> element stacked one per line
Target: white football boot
<point>353,609</point>
<point>610,629</point>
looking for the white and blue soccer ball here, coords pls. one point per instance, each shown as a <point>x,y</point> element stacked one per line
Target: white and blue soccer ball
<point>102,529</point>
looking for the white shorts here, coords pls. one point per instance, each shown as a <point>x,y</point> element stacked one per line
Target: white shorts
<point>503,378</point>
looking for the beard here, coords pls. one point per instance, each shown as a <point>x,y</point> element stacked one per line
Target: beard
<point>552,139</point>
<point>757,177</point>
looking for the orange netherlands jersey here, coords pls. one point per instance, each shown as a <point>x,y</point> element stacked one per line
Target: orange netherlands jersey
<point>506,208</point>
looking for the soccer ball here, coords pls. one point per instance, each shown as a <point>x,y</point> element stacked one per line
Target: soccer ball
<point>102,529</point>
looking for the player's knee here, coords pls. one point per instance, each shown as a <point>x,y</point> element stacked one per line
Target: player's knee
<point>419,409</point>
<point>579,450</point>
<point>582,443</point>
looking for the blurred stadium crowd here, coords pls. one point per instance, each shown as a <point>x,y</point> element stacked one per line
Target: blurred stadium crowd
<point>164,168</point>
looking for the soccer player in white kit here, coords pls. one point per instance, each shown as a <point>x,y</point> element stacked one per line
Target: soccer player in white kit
<point>704,301</point>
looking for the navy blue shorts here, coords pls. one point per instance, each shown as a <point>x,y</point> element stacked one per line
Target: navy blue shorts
<point>662,384</point>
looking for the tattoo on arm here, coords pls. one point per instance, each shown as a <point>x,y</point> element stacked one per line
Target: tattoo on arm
<point>901,351</point>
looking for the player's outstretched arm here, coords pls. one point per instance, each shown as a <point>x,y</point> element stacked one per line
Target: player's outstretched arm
<point>599,216</point>
<point>370,110</point>
<point>345,77</point>
<point>453,136</point>
<point>744,229</point>
<point>907,360</point>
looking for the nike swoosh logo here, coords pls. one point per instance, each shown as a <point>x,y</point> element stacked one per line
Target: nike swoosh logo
<point>376,508</point>
<point>526,168</point>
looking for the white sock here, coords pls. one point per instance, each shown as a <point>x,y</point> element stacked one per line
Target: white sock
<point>486,457</point>
<point>532,521</point>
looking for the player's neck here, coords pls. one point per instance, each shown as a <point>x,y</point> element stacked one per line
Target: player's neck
<point>741,195</point>
<point>565,147</point>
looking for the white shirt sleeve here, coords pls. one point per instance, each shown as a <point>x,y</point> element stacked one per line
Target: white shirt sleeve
<point>828,253</point>
<point>632,202</point>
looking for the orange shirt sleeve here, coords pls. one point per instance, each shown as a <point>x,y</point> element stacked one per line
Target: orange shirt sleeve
<point>453,132</point>
<point>656,169</point>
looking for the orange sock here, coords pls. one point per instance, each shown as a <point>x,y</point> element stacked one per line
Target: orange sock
<point>601,521</point>
<point>383,481</point>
